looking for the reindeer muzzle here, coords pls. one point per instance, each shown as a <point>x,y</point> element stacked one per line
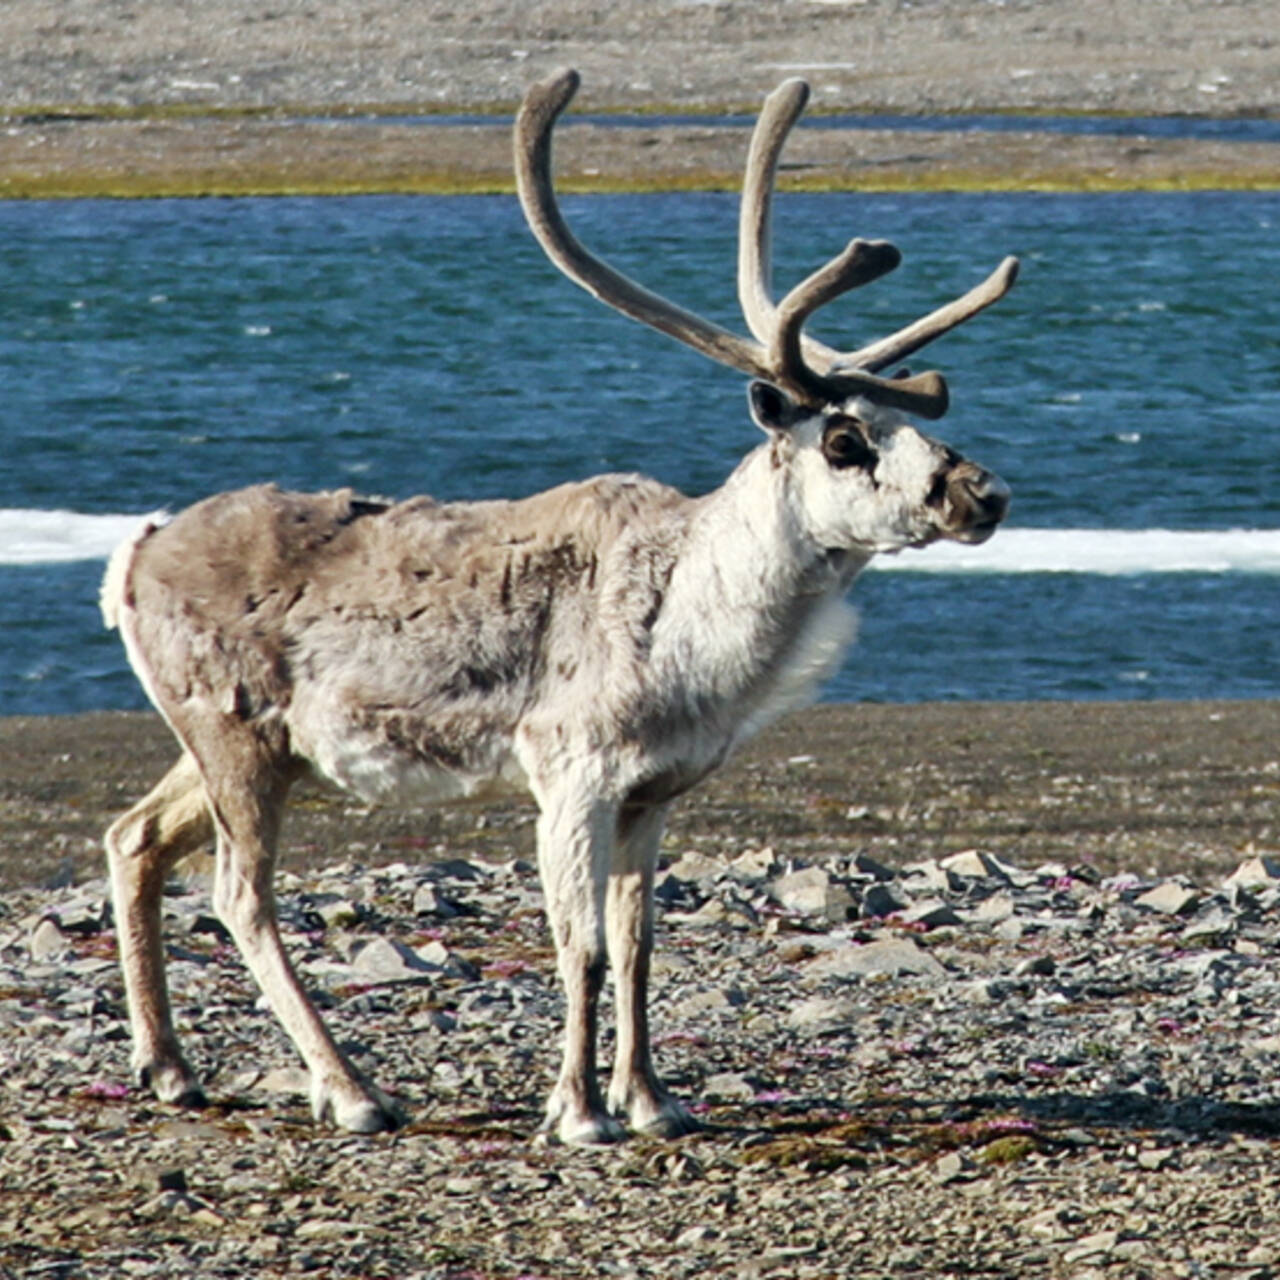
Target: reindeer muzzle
<point>977,500</point>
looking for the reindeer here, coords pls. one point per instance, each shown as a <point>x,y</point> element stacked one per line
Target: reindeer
<point>603,645</point>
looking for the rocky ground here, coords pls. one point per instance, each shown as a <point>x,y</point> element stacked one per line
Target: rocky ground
<point>148,97</point>
<point>930,975</point>
<point>953,1067</point>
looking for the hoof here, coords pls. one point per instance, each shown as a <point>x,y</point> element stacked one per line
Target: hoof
<point>172,1082</point>
<point>356,1108</point>
<point>671,1120</point>
<point>581,1127</point>
<point>650,1110</point>
<point>593,1131</point>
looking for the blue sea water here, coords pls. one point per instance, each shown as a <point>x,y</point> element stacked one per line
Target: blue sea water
<point>1128,390</point>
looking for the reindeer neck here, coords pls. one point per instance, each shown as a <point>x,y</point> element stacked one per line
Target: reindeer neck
<point>755,599</point>
<point>752,530</point>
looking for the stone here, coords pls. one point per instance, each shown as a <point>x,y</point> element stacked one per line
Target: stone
<point>336,912</point>
<point>696,867</point>
<point>47,941</point>
<point>882,900</point>
<point>1168,898</point>
<point>1095,1246</point>
<point>822,1013</point>
<point>992,910</point>
<point>951,1167</point>
<point>731,1086</point>
<point>1216,927</point>
<point>976,865</point>
<point>387,960</point>
<point>754,864</point>
<point>435,955</point>
<point>457,869</point>
<point>1261,872</point>
<point>932,913</point>
<point>926,877</point>
<point>429,900</point>
<point>294,1081</point>
<point>889,957</point>
<point>811,892</point>
<point>865,865</point>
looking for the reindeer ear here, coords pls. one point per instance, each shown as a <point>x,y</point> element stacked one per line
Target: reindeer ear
<point>771,408</point>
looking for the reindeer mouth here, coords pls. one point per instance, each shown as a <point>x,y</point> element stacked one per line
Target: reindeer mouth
<point>976,533</point>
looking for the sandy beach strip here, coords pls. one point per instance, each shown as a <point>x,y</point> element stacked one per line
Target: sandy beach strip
<point>1150,787</point>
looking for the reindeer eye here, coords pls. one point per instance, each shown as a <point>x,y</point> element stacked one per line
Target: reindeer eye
<point>844,445</point>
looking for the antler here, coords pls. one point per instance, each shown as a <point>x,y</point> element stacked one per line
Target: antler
<point>777,352</point>
<point>782,108</point>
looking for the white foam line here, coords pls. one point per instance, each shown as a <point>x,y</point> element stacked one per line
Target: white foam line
<point>1101,551</point>
<point>48,537</point>
<point>60,537</point>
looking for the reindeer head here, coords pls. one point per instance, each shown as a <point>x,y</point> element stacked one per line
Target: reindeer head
<point>866,479</point>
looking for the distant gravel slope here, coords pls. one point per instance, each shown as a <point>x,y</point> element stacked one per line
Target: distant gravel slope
<point>1141,56</point>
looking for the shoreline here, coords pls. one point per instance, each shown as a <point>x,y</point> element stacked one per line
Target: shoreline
<point>146,99</point>
<point>202,156</point>
<point>1154,788</point>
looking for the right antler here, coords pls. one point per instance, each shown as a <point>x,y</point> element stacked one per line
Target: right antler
<point>778,353</point>
<point>782,108</point>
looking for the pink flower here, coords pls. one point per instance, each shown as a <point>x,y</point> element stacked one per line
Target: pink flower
<point>1008,1124</point>
<point>773,1095</point>
<point>107,1090</point>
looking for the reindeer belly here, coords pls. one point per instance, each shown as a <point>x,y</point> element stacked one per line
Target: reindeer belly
<point>393,756</point>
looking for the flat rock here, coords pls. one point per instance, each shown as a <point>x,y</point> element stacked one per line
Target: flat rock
<point>386,960</point>
<point>1169,898</point>
<point>48,941</point>
<point>891,957</point>
<point>822,1013</point>
<point>1256,873</point>
<point>696,867</point>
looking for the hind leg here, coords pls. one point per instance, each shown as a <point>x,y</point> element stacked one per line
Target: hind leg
<point>142,848</point>
<point>247,783</point>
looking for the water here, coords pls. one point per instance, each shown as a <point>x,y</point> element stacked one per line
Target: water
<point>1128,390</point>
<point>1217,128</point>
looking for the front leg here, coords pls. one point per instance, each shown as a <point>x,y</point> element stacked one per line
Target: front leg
<point>635,1089</point>
<point>575,838</point>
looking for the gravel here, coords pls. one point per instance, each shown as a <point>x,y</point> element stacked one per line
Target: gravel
<point>1019,1070</point>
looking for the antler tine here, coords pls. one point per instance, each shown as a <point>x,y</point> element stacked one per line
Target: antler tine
<point>781,109</point>
<point>542,106</point>
<point>782,360</point>
<point>861,261</point>
<point>897,346</point>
